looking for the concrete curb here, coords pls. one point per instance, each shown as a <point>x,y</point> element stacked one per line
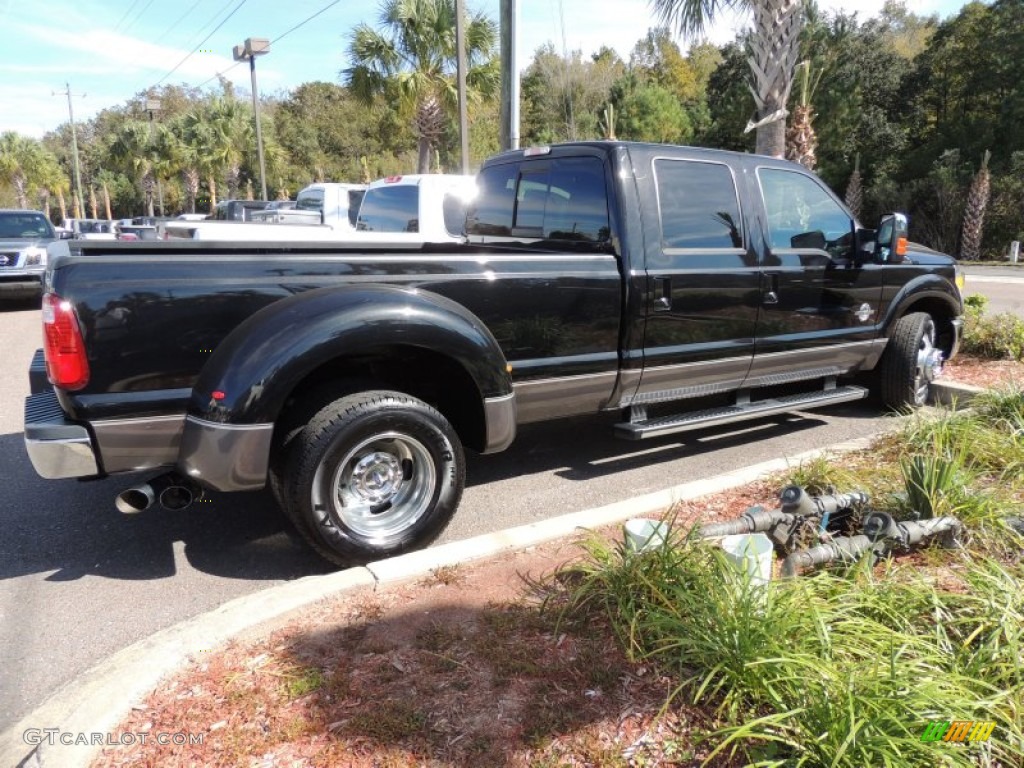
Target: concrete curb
<point>97,701</point>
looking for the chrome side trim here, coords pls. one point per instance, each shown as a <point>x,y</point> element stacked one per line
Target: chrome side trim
<point>545,399</point>
<point>57,448</point>
<point>500,416</point>
<point>225,457</point>
<point>836,358</point>
<point>126,445</point>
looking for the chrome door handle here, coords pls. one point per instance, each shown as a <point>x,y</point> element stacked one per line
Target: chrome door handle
<point>771,297</point>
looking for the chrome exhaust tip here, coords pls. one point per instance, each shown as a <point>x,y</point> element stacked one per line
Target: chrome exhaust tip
<point>135,500</point>
<point>173,491</point>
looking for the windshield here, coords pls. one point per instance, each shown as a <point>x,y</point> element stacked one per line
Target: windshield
<point>24,225</point>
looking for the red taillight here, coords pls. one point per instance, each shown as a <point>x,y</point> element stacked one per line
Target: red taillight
<point>66,364</point>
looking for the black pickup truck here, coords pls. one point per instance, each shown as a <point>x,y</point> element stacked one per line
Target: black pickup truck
<point>680,287</point>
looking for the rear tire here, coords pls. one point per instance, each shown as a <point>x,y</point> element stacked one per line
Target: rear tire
<point>372,475</point>
<point>910,363</point>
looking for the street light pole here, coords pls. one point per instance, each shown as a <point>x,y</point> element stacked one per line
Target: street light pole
<point>74,146</point>
<point>250,49</point>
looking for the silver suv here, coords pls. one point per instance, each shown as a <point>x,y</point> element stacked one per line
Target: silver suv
<point>24,236</point>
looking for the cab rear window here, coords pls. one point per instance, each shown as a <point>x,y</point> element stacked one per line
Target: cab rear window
<point>390,209</point>
<point>558,199</point>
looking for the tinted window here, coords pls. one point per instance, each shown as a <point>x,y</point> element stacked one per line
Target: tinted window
<point>577,205</point>
<point>27,225</point>
<point>698,205</point>
<point>803,215</point>
<point>564,199</point>
<point>390,209</point>
<point>454,209</point>
<point>491,212</point>
<point>355,199</point>
<point>313,200</point>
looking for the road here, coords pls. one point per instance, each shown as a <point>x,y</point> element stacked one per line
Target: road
<point>1003,285</point>
<point>78,581</point>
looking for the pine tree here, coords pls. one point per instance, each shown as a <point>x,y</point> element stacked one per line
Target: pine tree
<point>854,190</point>
<point>801,140</point>
<point>974,213</point>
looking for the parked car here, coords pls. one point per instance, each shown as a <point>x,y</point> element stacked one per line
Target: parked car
<point>676,287</point>
<point>237,210</point>
<point>428,208</point>
<point>92,229</point>
<point>24,235</point>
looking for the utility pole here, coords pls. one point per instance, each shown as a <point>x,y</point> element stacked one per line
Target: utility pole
<point>460,46</point>
<point>508,18</point>
<point>74,143</point>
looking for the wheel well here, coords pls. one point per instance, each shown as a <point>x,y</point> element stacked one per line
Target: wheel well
<point>432,377</point>
<point>943,316</point>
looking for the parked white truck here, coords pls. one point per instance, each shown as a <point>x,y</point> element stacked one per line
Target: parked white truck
<point>415,208</point>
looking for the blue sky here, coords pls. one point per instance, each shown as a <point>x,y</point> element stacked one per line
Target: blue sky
<point>109,50</point>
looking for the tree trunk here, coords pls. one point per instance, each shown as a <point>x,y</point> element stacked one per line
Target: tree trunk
<point>63,207</point>
<point>106,201</point>
<point>93,206</point>
<point>191,179</point>
<point>212,184</point>
<point>76,206</point>
<point>774,45</point>
<point>771,139</point>
<point>423,164</point>
<point>20,189</point>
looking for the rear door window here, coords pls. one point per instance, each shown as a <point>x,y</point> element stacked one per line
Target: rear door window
<point>698,205</point>
<point>390,209</point>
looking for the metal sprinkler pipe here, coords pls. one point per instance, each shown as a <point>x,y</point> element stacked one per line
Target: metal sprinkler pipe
<point>882,534</point>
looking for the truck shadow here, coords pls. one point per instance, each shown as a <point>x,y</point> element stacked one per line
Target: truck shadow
<point>71,529</point>
<point>584,449</point>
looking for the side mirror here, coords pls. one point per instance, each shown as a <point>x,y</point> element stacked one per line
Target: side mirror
<point>67,234</point>
<point>891,242</point>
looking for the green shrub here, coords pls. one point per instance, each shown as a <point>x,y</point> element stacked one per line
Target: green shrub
<point>995,337</point>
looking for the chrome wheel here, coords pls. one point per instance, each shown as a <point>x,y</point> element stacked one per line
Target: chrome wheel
<point>929,364</point>
<point>383,486</point>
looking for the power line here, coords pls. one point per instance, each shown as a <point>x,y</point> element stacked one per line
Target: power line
<point>177,21</point>
<point>301,23</point>
<point>275,40</point>
<point>138,16</point>
<point>126,14</point>
<point>190,53</point>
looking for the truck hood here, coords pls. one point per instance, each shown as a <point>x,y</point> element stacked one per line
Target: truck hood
<point>13,244</point>
<point>922,254</point>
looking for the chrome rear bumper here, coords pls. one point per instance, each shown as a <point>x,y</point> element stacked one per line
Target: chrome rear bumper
<point>57,447</point>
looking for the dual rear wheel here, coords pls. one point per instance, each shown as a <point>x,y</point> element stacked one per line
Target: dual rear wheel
<point>370,475</point>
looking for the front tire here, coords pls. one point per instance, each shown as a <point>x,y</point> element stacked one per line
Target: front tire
<point>373,475</point>
<point>910,363</point>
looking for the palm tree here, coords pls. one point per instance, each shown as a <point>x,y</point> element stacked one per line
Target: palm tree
<point>774,46</point>
<point>188,139</point>
<point>801,138</point>
<point>132,150</point>
<point>228,133</point>
<point>413,59</point>
<point>20,157</point>
<point>974,212</point>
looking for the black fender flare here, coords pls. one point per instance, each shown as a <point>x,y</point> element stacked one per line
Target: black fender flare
<point>252,371</point>
<point>929,288</point>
